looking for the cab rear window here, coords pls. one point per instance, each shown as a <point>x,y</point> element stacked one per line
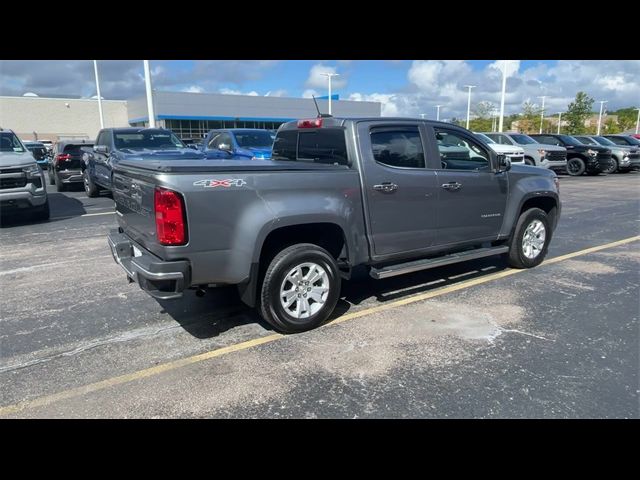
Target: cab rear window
<point>326,146</point>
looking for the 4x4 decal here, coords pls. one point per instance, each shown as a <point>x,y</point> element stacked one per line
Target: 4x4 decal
<point>212,183</point>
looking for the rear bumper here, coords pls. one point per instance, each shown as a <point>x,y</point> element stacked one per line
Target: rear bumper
<point>70,176</point>
<point>160,279</point>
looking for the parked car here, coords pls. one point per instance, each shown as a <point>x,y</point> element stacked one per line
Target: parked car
<point>624,140</point>
<point>581,158</point>
<point>134,143</point>
<point>535,153</point>
<point>374,192</point>
<point>22,186</point>
<point>238,143</point>
<point>635,135</point>
<point>39,152</point>
<point>48,144</point>
<point>514,154</point>
<point>65,165</point>
<point>623,158</point>
<point>192,142</point>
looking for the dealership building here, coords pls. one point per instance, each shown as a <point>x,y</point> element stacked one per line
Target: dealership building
<point>189,115</point>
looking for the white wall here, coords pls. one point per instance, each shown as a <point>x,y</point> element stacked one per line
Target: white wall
<point>59,117</point>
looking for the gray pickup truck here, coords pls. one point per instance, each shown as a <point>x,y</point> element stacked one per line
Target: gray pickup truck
<point>394,195</point>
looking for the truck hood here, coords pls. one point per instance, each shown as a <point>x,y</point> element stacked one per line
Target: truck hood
<point>186,154</point>
<point>498,148</point>
<point>17,159</point>
<point>549,148</point>
<point>530,170</point>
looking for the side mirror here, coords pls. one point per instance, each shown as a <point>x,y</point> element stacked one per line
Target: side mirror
<point>504,164</point>
<point>224,147</point>
<point>101,149</point>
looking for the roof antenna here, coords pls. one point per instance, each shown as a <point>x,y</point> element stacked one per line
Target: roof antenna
<point>320,115</point>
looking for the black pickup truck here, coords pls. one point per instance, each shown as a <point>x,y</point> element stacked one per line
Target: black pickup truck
<point>134,143</point>
<point>395,195</point>
<point>581,158</point>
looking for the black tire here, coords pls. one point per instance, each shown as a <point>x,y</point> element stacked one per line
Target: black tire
<point>529,161</point>
<point>576,166</point>
<point>42,213</point>
<point>61,186</point>
<point>52,178</point>
<point>90,188</point>
<point>613,166</point>
<point>517,257</point>
<point>284,262</point>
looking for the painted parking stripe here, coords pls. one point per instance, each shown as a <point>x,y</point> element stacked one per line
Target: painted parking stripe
<point>84,215</point>
<point>166,367</point>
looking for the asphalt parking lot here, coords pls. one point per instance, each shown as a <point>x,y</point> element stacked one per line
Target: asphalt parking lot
<point>474,340</point>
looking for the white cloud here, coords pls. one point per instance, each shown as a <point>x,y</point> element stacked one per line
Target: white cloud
<point>276,93</point>
<point>310,93</point>
<point>317,80</point>
<point>193,89</point>
<point>512,67</point>
<point>229,91</point>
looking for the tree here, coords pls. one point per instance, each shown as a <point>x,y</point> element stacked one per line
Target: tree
<point>627,118</point>
<point>529,121</point>
<point>483,120</point>
<point>577,112</point>
<point>611,126</point>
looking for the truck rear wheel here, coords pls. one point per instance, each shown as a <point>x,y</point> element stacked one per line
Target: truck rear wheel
<point>300,288</point>
<point>530,240</point>
<point>90,188</point>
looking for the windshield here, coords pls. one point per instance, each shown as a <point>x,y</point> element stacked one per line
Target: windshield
<point>625,141</point>
<point>523,139</point>
<point>254,139</point>
<point>570,140</point>
<point>587,140</point>
<point>147,139</point>
<point>485,138</point>
<point>603,141</point>
<point>10,143</point>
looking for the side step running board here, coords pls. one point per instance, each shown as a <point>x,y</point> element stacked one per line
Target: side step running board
<point>409,267</point>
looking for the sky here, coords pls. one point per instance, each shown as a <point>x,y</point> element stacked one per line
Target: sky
<point>404,87</point>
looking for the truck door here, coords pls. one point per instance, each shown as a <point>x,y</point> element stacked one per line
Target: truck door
<point>471,195</point>
<point>102,169</point>
<point>400,193</point>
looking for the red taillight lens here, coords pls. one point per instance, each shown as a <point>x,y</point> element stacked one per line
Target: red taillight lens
<point>170,222</point>
<point>311,123</point>
<point>63,157</point>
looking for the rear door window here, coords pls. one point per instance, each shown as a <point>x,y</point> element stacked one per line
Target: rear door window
<point>398,147</point>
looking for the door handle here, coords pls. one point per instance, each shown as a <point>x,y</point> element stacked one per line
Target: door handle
<point>452,186</point>
<point>386,187</point>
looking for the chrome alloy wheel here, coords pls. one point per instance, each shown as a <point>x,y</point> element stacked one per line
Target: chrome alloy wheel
<point>533,239</point>
<point>304,290</point>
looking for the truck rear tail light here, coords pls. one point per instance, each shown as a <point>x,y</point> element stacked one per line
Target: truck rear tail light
<point>171,225</point>
<point>63,157</point>
<point>310,123</point>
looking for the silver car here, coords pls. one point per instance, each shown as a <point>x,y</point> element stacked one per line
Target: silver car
<point>537,154</point>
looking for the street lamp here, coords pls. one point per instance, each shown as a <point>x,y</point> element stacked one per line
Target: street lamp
<point>438,112</point>
<point>147,82</point>
<point>542,112</point>
<point>504,90</point>
<point>329,76</point>
<point>469,102</point>
<point>95,69</point>
<point>602,102</point>
<point>559,120</point>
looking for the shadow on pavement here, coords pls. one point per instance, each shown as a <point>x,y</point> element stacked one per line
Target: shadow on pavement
<point>218,311</point>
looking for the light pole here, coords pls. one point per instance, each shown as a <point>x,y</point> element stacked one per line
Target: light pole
<point>438,112</point>
<point>638,120</point>
<point>542,112</point>
<point>147,82</point>
<point>559,120</point>
<point>469,102</point>
<point>95,69</point>
<point>602,102</point>
<point>329,76</point>
<point>504,90</point>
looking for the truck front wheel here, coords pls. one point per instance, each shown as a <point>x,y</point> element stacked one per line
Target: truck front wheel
<point>530,240</point>
<point>576,166</point>
<point>90,188</point>
<point>300,288</point>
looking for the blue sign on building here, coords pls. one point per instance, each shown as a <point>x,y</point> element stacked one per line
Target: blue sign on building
<point>335,96</point>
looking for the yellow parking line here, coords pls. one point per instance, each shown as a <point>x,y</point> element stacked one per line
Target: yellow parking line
<point>165,367</point>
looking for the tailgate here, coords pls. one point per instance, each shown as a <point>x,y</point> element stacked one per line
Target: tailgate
<point>134,198</point>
